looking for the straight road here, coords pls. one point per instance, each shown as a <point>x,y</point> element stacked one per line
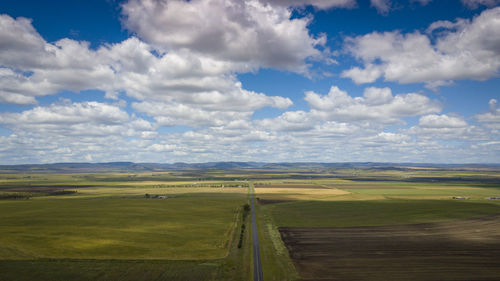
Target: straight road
<point>257,266</point>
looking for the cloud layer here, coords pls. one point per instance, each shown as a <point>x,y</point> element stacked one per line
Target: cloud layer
<point>171,90</point>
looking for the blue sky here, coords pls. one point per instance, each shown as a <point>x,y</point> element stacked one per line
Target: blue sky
<point>253,80</point>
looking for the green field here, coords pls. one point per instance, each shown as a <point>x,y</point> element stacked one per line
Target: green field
<point>191,227</point>
<point>103,270</point>
<point>111,231</point>
<point>377,212</point>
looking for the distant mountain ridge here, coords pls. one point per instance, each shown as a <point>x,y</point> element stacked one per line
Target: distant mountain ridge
<point>144,167</point>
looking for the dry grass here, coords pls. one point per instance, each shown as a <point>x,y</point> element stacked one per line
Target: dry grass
<point>269,193</point>
<point>141,191</point>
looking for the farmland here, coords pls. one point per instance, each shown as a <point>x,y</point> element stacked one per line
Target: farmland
<point>110,230</point>
<point>457,250</point>
<point>382,228</point>
<point>329,224</point>
<point>117,228</point>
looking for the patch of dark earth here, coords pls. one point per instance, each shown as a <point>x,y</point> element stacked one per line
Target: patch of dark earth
<point>458,250</point>
<point>266,202</point>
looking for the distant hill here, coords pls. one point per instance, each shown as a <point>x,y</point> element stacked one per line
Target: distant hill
<point>155,167</point>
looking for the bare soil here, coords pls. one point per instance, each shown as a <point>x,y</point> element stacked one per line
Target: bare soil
<point>459,250</point>
<point>355,186</point>
<point>306,186</point>
<point>41,188</point>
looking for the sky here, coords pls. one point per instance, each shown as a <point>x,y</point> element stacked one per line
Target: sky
<point>250,80</point>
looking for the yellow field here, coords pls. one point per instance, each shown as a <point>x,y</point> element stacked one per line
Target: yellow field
<point>270,193</point>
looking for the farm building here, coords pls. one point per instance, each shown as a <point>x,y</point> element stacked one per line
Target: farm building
<point>461,197</point>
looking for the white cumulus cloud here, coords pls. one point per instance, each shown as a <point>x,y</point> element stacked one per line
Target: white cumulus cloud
<point>474,4</point>
<point>464,49</point>
<point>491,119</point>
<point>376,106</point>
<point>441,121</point>
<point>382,6</point>
<point>245,33</point>
<point>320,4</point>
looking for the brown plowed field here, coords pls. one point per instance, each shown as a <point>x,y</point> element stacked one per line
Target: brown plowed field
<point>368,186</point>
<point>460,250</point>
<point>292,186</point>
<point>41,188</point>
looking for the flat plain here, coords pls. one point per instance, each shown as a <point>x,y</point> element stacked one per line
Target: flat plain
<point>314,224</point>
<point>114,230</point>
